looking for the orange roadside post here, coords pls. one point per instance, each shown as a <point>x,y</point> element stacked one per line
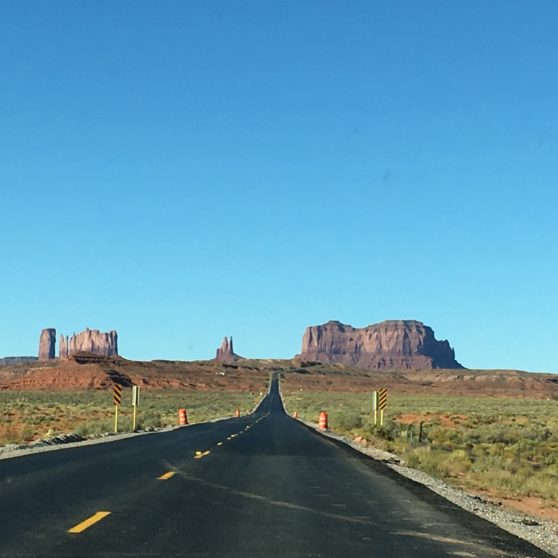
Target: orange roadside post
<point>323,420</point>
<point>182,417</point>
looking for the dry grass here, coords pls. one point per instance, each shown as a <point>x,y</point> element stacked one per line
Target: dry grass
<point>506,446</point>
<point>27,416</point>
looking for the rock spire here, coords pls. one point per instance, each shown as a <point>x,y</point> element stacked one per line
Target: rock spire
<point>225,352</point>
<point>47,344</point>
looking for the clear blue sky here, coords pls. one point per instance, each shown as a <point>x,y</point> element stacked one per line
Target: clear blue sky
<point>180,171</point>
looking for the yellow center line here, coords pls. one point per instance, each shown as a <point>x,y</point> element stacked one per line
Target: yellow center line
<point>200,454</point>
<point>166,475</point>
<point>88,522</point>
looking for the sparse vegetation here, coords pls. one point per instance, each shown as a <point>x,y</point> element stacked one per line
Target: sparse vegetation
<point>27,416</point>
<point>506,446</point>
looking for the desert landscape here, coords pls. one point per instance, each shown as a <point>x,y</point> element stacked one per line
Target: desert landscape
<point>492,432</point>
<point>279,279</point>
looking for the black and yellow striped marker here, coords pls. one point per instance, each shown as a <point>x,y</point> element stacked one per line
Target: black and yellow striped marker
<point>116,394</point>
<point>382,403</point>
<point>117,400</point>
<point>382,398</point>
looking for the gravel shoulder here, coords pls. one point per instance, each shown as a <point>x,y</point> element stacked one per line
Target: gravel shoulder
<point>539,532</point>
<point>65,441</point>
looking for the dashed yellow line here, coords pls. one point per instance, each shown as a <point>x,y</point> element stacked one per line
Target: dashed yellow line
<point>167,476</point>
<point>200,454</point>
<point>80,527</point>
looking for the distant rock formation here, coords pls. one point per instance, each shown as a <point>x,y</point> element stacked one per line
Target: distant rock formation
<point>91,341</point>
<point>226,353</point>
<point>47,344</point>
<point>17,360</point>
<point>393,344</point>
<point>63,347</point>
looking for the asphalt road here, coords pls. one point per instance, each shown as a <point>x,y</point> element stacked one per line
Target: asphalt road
<point>261,485</point>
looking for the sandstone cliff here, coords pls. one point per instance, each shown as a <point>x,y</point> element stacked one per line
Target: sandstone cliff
<point>225,352</point>
<point>91,341</point>
<point>394,344</point>
<point>47,344</point>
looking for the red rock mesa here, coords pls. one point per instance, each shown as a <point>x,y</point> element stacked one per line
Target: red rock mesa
<point>396,344</point>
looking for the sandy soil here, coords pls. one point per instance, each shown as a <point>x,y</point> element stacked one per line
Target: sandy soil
<point>87,371</point>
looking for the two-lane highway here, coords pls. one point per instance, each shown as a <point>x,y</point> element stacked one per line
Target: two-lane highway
<point>262,485</point>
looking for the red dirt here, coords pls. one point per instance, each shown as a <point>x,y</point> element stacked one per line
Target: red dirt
<point>86,371</point>
<point>530,505</point>
<point>445,420</point>
<point>494,383</point>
